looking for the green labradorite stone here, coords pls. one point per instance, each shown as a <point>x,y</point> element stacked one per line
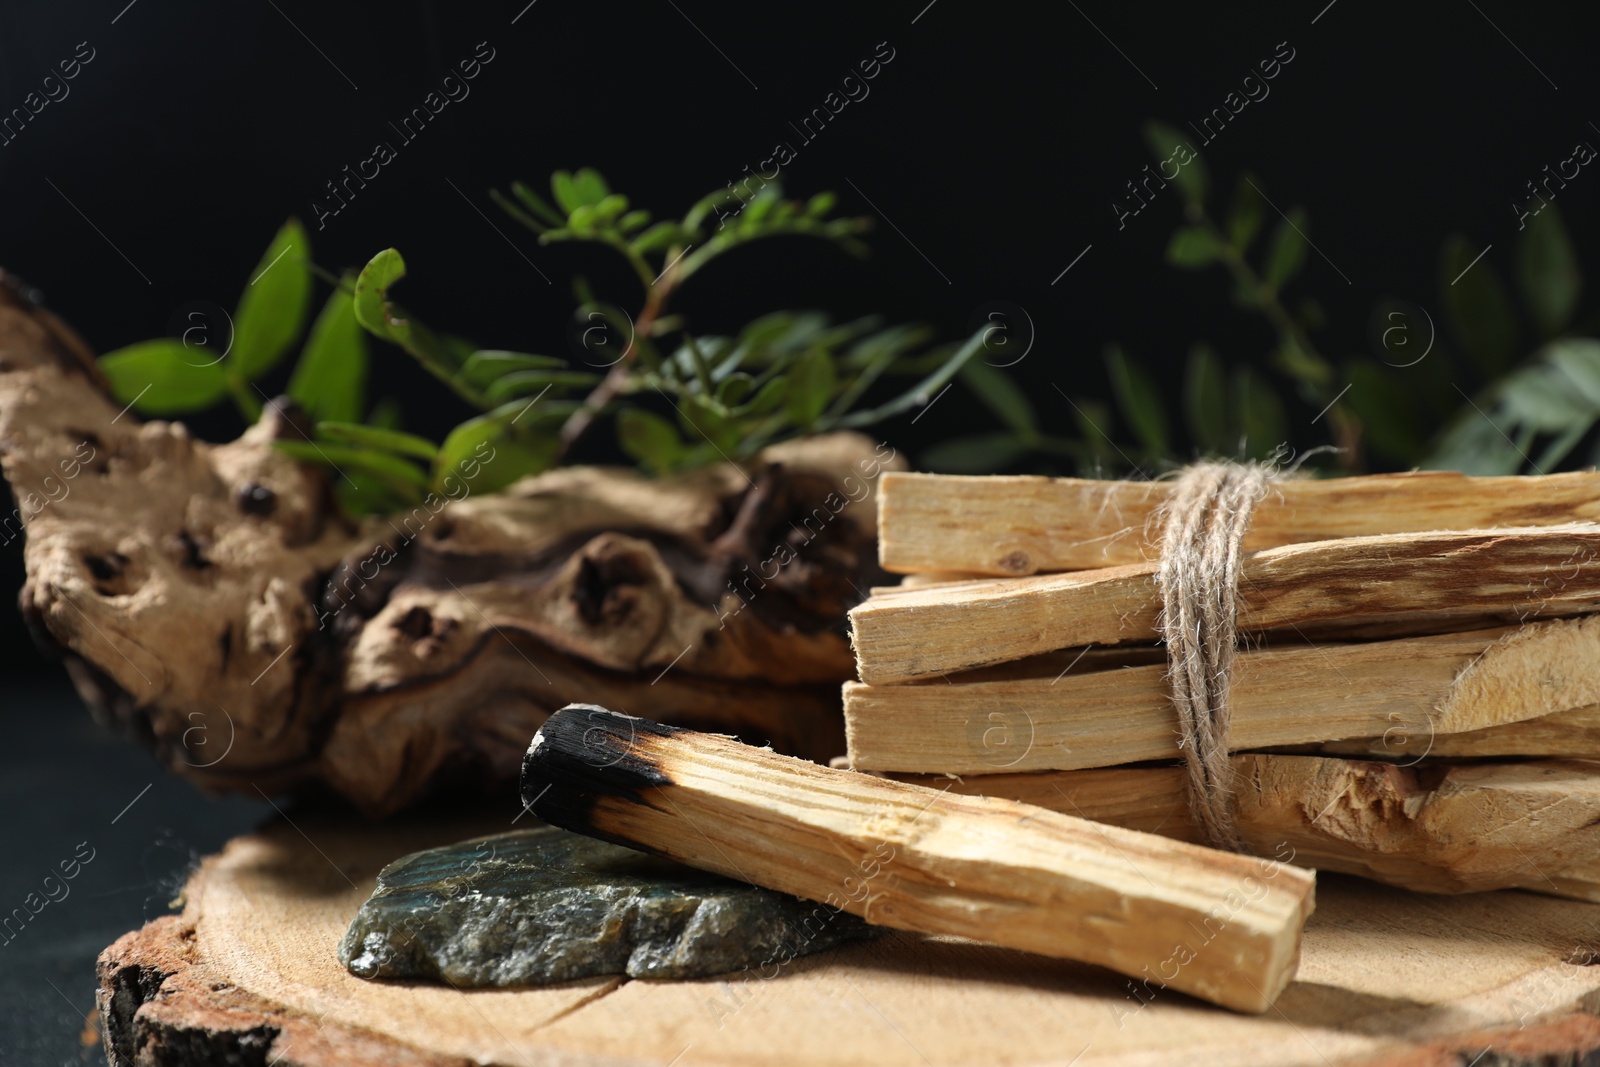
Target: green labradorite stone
<point>539,906</point>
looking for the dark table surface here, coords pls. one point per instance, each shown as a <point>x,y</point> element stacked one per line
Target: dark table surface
<point>68,786</point>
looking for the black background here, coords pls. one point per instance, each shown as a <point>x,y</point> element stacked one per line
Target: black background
<point>993,143</point>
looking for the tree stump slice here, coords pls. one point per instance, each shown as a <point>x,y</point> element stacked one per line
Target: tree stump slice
<point>247,974</point>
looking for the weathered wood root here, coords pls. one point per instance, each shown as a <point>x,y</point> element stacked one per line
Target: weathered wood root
<point>212,602</point>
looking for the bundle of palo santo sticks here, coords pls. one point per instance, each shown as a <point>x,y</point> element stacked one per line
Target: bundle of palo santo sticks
<point>1402,678</point>
<point>1415,699</point>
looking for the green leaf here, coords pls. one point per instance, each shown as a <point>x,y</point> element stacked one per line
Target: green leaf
<point>1205,400</point>
<point>591,188</point>
<point>1476,306</point>
<point>355,433</point>
<point>361,494</point>
<point>385,414</point>
<point>584,189</point>
<point>1547,272</point>
<point>1260,418</point>
<point>1474,445</point>
<point>165,376</point>
<point>372,291</point>
<point>658,237</point>
<point>440,355</point>
<point>1287,253</point>
<point>330,379</point>
<point>1139,401</point>
<point>821,204</point>
<point>811,384</point>
<point>474,450</point>
<point>565,192</point>
<point>272,311</point>
<point>537,204</point>
<point>1193,246</point>
<point>986,453</point>
<point>649,439</point>
<point>485,366</point>
<point>1543,398</point>
<point>1171,147</point>
<point>511,208</point>
<point>767,399</point>
<point>735,389</point>
<point>523,382</point>
<point>497,463</point>
<point>1559,448</point>
<point>1387,411</point>
<point>701,420</point>
<point>1002,396</point>
<point>1249,211</point>
<point>1579,359</point>
<point>924,391</point>
<point>1093,419</point>
<point>1311,372</point>
<point>393,472</point>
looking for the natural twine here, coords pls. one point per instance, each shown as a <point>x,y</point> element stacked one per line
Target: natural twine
<point>1204,523</point>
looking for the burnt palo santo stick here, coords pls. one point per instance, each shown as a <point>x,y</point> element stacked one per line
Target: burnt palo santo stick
<point>1216,925</point>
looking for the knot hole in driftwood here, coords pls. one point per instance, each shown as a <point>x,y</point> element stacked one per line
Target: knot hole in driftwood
<point>612,576</point>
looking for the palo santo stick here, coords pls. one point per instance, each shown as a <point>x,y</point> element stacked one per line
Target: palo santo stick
<point>1421,582</point>
<point>1011,525</point>
<point>1574,734</point>
<point>916,859</point>
<point>925,578</point>
<point>1025,717</point>
<point>1441,829</point>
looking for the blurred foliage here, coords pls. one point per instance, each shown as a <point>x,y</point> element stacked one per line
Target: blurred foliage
<point>1486,390</point>
<point>676,400</point>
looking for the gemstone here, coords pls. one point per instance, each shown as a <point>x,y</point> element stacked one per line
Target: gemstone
<point>533,907</point>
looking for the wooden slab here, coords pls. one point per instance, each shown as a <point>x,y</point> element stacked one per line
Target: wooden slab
<point>247,971</point>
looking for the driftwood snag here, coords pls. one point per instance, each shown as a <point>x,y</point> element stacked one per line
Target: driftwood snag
<point>211,602</point>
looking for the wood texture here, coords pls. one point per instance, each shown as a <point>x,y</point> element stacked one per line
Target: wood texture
<point>1573,734</point>
<point>1419,582</point>
<point>209,599</point>
<point>247,974</point>
<point>1046,715</point>
<point>1011,525</point>
<point>924,860</point>
<point>1434,829</point>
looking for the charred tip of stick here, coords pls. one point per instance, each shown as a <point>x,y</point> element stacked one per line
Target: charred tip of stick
<point>584,752</point>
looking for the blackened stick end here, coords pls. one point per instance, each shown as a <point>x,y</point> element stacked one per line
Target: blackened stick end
<point>584,752</point>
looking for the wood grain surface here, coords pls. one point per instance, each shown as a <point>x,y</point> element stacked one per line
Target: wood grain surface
<point>1387,978</point>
